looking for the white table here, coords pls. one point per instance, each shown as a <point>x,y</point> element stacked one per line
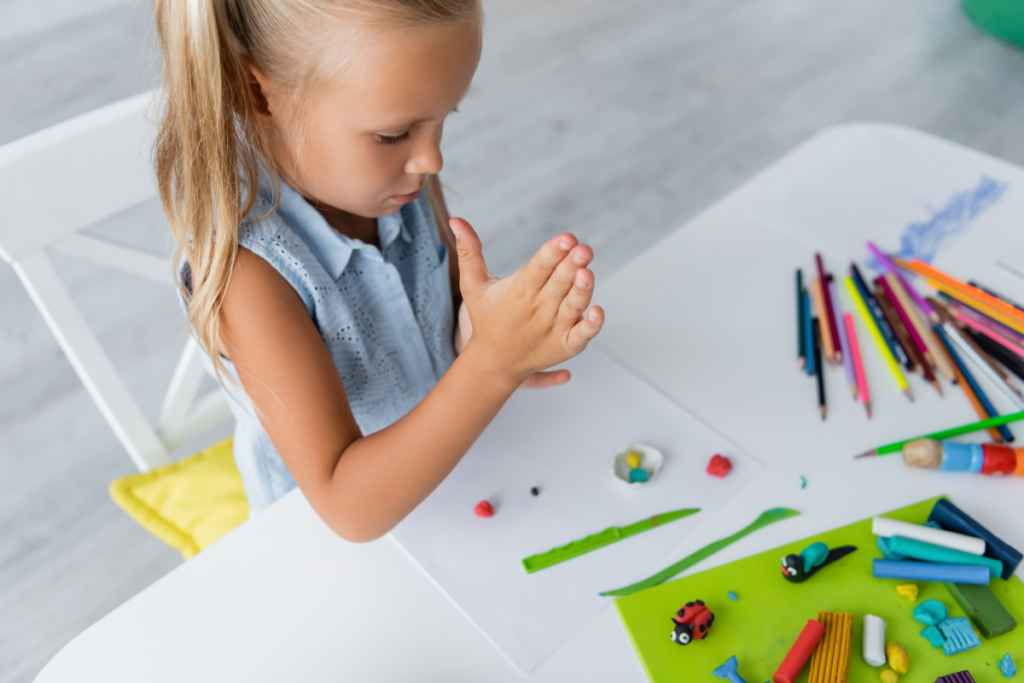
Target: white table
<point>705,316</point>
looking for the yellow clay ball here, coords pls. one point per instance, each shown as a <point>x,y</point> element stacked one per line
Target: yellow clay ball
<point>889,676</point>
<point>633,459</point>
<point>908,590</point>
<point>898,658</point>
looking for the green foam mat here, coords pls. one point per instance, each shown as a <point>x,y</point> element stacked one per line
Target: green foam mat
<point>760,627</point>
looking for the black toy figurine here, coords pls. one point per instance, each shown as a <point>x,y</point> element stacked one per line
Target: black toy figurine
<point>799,568</point>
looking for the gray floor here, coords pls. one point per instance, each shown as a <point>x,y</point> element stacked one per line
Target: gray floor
<point>618,121</point>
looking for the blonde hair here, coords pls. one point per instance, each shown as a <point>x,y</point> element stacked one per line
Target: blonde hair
<point>209,142</point>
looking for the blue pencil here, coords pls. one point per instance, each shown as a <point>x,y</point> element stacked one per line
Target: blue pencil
<point>971,382</point>
<point>808,335</point>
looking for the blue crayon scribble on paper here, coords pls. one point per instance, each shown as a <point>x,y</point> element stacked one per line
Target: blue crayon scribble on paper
<point>924,240</point>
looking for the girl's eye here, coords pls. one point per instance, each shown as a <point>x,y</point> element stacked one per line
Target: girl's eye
<point>393,139</point>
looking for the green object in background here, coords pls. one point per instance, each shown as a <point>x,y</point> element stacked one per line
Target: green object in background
<point>764,519</point>
<point>1002,18</point>
<point>534,563</point>
<point>762,626</point>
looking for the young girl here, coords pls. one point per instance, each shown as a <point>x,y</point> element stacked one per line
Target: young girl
<point>297,162</point>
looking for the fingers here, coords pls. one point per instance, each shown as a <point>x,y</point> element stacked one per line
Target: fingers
<point>473,272</point>
<point>586,329</point>
<point>576,301</point>
<point>543,380</point>
<point>535,274</point>
<point>564,277</point>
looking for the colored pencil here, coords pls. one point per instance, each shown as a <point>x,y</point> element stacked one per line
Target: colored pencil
<point>801,341</point>
<point>827,349</point>
<point>883,326</point>
<point>808,335</point>
<point>818,369</point>
<point>954,336</point>
<point>947,315</point>
<point>904,315</point>
<point>934,355</point>
<point>972,399</point>
<point>968,378</point>
<point>973,324</point>
<point>931,273</point>
<point>897,446</point>
<point>1010,361</point>
<point>844,339</point>
<point>997,295</point>
<point>978,305</point>
<point>889,267</point>
<point>833,330</point>
<point>898,326</point>
<point>968,312</point>
<point>876,337</point>
<point>862,381</point>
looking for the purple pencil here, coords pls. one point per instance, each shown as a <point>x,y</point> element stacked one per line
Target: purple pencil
<point>890,267</point>
<point>851,378</point>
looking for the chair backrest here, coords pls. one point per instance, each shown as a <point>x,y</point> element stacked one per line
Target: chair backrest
<point>55,183</point>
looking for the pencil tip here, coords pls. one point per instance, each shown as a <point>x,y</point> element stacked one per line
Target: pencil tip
<point>938,387</point>
<point>866,454</point>
<point>908,394</point>
<point>801,363</point>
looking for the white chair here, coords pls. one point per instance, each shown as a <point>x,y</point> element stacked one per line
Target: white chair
<point>53,185</point>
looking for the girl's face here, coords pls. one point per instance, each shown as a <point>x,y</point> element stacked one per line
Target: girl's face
<point>365,142</point>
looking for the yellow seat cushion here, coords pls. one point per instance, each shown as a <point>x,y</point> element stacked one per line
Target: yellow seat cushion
<point>188,504</point>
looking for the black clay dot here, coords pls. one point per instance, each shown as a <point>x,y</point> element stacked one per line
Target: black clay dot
<point>702,628</point>
<point>535,491</point>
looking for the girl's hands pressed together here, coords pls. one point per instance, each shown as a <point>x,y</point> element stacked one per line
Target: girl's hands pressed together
<point>532,320</point>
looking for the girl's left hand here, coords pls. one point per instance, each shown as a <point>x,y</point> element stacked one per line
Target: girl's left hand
<point>538,380</point>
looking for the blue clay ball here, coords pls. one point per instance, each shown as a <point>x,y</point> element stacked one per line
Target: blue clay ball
<point>638,475</point>
<point>930,612</point>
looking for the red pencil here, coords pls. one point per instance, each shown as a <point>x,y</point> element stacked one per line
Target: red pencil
<point>831,322</point>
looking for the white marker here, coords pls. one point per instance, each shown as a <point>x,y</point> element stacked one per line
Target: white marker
<point>874,640</point>
<point>882,526</point>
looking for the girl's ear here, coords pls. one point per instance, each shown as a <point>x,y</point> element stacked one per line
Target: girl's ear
<point>257,84</point>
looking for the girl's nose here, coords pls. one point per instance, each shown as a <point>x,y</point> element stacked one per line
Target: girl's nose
<point>425,159</point>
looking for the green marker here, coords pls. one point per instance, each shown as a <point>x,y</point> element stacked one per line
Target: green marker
<point>534,563</point>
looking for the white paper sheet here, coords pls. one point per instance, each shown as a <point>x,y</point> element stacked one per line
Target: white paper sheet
<point>563,441</point>
<point>911,199</point>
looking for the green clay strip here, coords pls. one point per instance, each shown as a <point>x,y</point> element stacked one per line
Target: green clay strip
<point>535,563</point>
<point>767,517</point>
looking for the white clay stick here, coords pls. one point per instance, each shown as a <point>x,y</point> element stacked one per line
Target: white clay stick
<point>874,640</point>
<point>881,526</point>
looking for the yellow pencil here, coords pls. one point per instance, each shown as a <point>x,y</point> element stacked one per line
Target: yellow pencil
<point>876,337</point>
<point>979,305</point>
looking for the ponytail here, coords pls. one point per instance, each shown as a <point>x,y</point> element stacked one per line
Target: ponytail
<point>206,146</point>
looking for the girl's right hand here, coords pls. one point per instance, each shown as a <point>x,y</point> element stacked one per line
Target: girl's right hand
<point>532,320</point>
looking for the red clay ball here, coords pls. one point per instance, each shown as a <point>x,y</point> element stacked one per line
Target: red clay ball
<point>719,466</point>
<point>484,509</point>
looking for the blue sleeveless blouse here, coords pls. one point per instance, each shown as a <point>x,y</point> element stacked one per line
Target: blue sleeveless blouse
<point>384,314</point>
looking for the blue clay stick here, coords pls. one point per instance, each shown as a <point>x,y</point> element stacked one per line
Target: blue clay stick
<point>927,571</point>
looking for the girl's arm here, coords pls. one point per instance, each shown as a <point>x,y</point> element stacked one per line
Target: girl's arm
<point>362,486</point>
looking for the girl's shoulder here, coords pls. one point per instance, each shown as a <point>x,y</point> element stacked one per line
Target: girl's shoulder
<point>269,234</point>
